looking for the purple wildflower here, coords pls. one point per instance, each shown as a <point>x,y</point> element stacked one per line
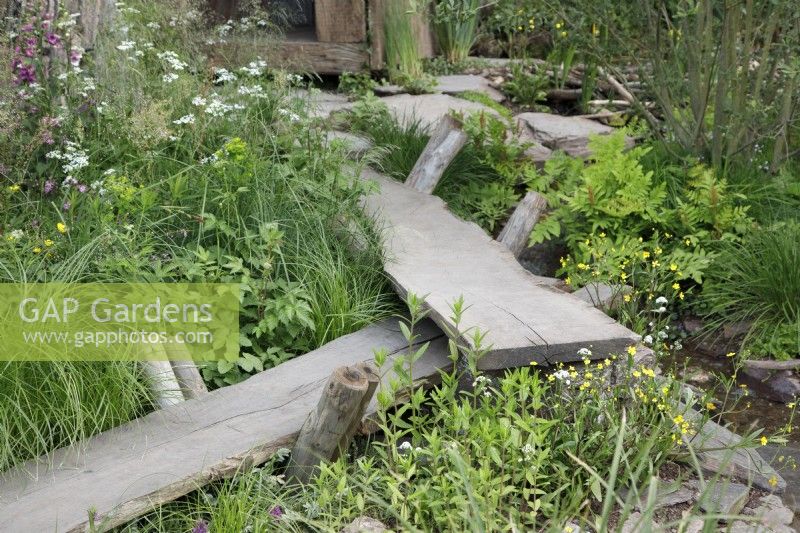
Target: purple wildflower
<point>27,28</point>
<point>25,74</point>
<point>65,206</point>
<point>200,527</point>
<point>82,188</point>
<point>52,39</point>
<point>276,512</point>
<point>75,56</point>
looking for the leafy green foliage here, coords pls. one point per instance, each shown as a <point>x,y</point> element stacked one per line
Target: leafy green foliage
<point>614,194</point>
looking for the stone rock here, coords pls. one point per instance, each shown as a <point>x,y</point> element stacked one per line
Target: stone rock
<point>719,450</point>
<point>722,497</point>
<point>461,83</point>
<point>453,85</point>
<point>776,385</point>
<point>771,512</point>
<point>602,295</point>
<point>355,145</point>
<point>322,104</point>
<point>697,375</point>
<point>537,152</point>
<point>784,455</point>
<point>636,523</point>
<point>667,495</point>
<point>365,524</point>
<point>570,134</point>
<point>430,108</point>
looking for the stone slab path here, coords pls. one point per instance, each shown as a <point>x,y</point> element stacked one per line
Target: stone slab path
<point>454,84</point>
<point>430,108</point>
<point>432,253</point>
<point>570,134</point>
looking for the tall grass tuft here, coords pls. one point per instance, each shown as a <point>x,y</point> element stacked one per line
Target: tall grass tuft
<point>403,56</point>
<point>758,281</point>
<point>455,23</point>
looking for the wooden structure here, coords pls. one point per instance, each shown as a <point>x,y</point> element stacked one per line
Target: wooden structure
<point>336,36</point>
<point>125,472</point>
<point>432,252</point>
<point>447,139</point>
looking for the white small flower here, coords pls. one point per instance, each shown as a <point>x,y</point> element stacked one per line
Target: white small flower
<point>648,339</point>
<point>563,376</point>
<point>17,234</point>
<point>185,119</point>
<point>660,310</point>
<point>153,25</point>
<point>170,77</point>
<point>405,446</point>
<point>199,101</point>
<point>222,75</point>
<point>109,172</point>
<point>585,352</point>
<point>126,45</point>
<point>661,300</point>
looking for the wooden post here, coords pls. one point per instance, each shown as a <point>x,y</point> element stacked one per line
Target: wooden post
<point>323,434</point>
<point>519,226</point>
<point>341,21</point>
<point>189,379</point>
<point>163,383</point>
<point>373,380</point>
<point>446,141</point>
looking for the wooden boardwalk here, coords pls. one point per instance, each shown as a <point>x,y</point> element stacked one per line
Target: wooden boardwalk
<point>126,471</point>
<point>434,254</point>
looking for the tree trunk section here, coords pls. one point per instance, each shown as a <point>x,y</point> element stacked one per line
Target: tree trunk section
<point>446,141</point>
<point>519,226</point>
<point>324,432</point>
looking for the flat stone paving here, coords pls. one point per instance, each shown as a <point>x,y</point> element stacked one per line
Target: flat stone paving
<point>429,108</point>
<point>432,253</point>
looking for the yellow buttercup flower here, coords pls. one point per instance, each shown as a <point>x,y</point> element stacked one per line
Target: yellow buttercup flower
<point>773,481</point>
<point>37,250</point>
<point>730,354</point>
<point>710,406</point>
<point>61,227</point>
<point>631,350</point>
<point>13,188</point>
<point>764,440</point>
<point>673,267</point>
<point>676,286</point>
<point>48,243</point>
<point>627,298</point>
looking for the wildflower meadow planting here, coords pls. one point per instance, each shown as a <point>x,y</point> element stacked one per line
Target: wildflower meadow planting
<point>406,265</point>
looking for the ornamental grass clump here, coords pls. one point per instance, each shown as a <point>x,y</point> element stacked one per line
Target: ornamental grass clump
<point>757,282</point>
<point>455,23</point>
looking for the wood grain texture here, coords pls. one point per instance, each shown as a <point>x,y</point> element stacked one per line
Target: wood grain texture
<point>519,226</point>
<point>322,58</point>
<point>324,433</point>
<point>443,146</point>
<point>432,253</point>
<point>129,470</point>
<point>341,21</point>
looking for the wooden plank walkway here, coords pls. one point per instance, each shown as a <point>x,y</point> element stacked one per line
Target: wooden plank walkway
<point>434,254</point>
<point>126,471</point>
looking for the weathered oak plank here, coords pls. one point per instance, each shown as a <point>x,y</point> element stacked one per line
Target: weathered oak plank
<point>432,253</point>
<point>341,21</point>
<point>127,471</point>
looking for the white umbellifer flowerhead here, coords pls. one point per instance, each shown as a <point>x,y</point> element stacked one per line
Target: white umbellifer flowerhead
<point>661,300</point>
